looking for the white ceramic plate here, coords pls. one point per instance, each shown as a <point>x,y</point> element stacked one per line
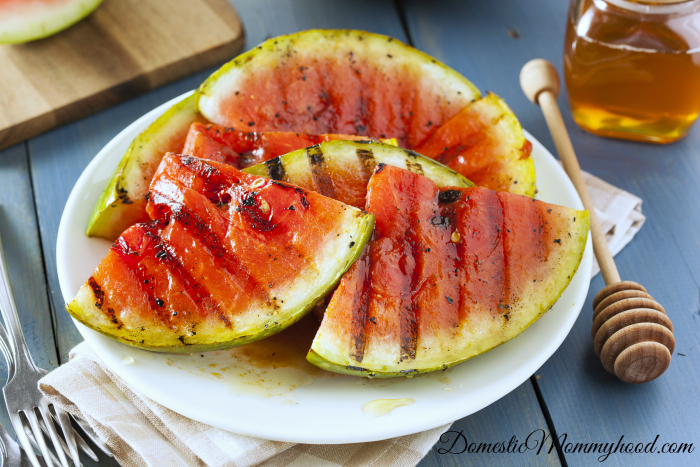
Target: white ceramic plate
<point>281,397</point>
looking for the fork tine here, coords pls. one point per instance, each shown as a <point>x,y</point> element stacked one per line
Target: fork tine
<point>48,421</point>
<point>38,435</point>
<point>79,440</point>
<point>22,436</point>
<point>96,440</point>
<point>54,460</point>
<point>68,434</point>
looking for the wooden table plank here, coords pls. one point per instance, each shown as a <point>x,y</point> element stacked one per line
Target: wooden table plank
<point>584,401</point>
<point>18,228</point>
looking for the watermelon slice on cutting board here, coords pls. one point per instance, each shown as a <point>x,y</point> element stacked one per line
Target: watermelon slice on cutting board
<point>28,20</point>
<point>449,274</point>
<point>228,259</point>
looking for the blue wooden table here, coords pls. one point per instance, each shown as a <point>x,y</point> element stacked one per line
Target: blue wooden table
<point>571,397</point>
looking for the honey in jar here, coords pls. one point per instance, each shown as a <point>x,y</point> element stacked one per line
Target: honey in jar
<point>632,68</point>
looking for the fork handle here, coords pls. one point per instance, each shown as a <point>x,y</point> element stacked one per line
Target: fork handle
<point>22,356</point>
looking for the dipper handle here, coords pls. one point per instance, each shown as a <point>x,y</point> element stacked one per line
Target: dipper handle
<point>540,82</point>
<point>631,333</point>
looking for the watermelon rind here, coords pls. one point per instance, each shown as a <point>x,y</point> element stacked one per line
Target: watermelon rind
<point>123,202</point>
<point>479,334</point>
<point>298,169</point>
<point>24,21</point>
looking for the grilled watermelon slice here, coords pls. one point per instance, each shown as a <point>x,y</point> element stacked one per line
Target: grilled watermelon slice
<point>342,169</point>
<point>336,81</point>
<point>23,21</point>
<point>123,203</point>
<point>485,143</point>
<point>228,259</point>
<point>247,148</point>
<point>450,273</point>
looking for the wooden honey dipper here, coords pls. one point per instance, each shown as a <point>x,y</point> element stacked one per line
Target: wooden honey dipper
<point>631,333</point>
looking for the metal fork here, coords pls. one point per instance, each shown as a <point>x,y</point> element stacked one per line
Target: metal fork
<point>5,349</point>
<point>22,395</point>
<point>12,454</point>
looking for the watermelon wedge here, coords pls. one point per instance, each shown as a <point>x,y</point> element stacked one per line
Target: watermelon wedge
<point>228,259</point>
<point>246,148</point>
<point>450,273</point>
<point>123,202</point>
<point>342,169</point>
<point>336,81</point>
<point>23,20</point>
<point>485,143</point>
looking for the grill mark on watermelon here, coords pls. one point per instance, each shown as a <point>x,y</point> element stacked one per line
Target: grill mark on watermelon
<point>131,259</point>
<point>100,298</point>
<point>367,160</point>
<point>165,254</point>
<point>320,172</point>
<point>275,169</point>
<point>203,232</point>
<point>414,167</point>
<point>505,302</point>
<point>410,314</point>
<point>97,292</point>
<point>214,182</point>
<point>360,308</point>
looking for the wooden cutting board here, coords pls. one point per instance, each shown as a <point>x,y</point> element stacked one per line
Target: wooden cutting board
<point>126,47</point>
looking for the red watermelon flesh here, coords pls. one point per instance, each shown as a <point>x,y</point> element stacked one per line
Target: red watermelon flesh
<point>228,259</point>
<point>449,274</point>
<point>247,148</point>
<point>336,81</point>
<point>485,143</point>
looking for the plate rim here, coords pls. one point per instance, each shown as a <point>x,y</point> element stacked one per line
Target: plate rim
<point>514,379</point>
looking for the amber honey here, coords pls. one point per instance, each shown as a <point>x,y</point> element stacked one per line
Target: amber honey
<point>633,74</point>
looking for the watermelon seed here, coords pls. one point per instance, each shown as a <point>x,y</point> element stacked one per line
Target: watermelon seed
<point>449,299</point>
<point>352,244</point>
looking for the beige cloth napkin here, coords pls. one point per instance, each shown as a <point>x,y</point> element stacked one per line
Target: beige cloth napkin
<point>619,212</point>
<point>142,432</point>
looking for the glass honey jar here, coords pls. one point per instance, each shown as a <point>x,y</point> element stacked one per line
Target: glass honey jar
<point>632,67</point>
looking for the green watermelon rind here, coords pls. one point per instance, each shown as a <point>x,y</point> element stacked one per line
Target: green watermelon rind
<point>360,230</point>
<point>222,79</point>
<point>562,277</point>
<point>122,203</point>
<point>53,19</point>
<point>340,152</point>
